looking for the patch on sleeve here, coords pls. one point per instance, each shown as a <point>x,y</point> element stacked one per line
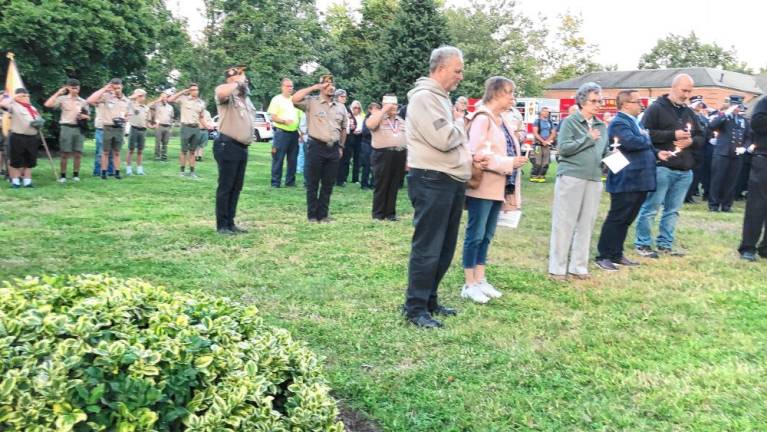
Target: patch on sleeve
<point>439,123</point>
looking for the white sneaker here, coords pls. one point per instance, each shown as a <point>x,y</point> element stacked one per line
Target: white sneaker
<point>194,176</point>
<point>129,171</point>
<point>140,170</point>
<point>488,289</point>
<point>75,179</point>
<point>62,180</point>
<point>182,174</point>
<point>474,293</point>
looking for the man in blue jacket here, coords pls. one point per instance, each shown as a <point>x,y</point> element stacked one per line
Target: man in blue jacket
<point>731,143</point>
<point>629,187</point>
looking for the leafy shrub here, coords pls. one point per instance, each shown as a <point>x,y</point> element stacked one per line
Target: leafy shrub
<point>97,353</point>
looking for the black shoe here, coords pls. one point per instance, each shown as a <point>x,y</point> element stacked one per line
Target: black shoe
<point>748,256</point>
<point>646,251</point>
<point>425,321</point>
<point>341,184</point>
<point>392,218</point>
<point>118,177</point>
<point>444,311</point>
<point>606,264</point>
<point>312,220</point>
<point>713,209</point>
<point>670,252</point>
<point>726,210</point>
<point>29,185</point>
<point>103,176</point>
<point>290,185</point>
<point>626,262</point>
<point>690,200</point>
<point>225,231</point>
<point>237,230</point>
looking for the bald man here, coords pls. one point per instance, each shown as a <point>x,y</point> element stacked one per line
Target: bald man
<point>673,126</point>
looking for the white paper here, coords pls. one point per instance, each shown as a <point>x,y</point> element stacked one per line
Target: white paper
<point>509,218</point>
<point>616,161</point>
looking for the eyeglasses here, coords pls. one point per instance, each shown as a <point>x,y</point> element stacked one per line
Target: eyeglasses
<point>597,101</point>
<point>636,101</point>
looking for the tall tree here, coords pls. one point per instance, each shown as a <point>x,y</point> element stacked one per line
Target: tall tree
<point>675,51</point>
<point>570,55</point>
<point>496,40</point>
<point>273,39</point>
<point>403,55</point>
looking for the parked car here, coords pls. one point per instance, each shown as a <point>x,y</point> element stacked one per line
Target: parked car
<point>263,129</point>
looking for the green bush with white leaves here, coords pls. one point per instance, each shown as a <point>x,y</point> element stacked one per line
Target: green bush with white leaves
<point>96,353</point>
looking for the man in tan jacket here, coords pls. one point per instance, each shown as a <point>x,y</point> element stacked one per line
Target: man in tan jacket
<point>440,166</point>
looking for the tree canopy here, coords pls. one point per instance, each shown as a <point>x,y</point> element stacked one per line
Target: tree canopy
<point>675,51</point>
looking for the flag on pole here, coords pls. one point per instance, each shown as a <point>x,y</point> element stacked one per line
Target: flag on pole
<point>12,82</point>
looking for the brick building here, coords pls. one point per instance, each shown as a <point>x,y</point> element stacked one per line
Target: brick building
<point>714,84</point>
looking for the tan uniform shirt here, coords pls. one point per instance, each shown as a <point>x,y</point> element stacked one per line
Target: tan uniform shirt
<point>389,133</point>
<point>20,119</point>
<point>162,113</point>
<point>208,120</point>
<point>98,122</point>
<point>190,108</point>
<point>114,107</point>
<point>139,115</point>
<point>235,118</point>
<point>70,108</point>
<point>324,120</point>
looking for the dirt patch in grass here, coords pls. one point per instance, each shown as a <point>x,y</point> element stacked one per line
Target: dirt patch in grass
<point>356,421</point>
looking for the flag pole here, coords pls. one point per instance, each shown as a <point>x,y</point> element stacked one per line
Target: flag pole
<point>50,159</point>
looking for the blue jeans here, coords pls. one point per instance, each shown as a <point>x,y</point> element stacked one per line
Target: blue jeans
<point>670,192</point>
<point>99,150</point>
<point>300,163</point>
<point>285,145</point>
<point>480,228</point>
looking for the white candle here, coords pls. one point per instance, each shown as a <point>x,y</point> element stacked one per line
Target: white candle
<point>689,127</point>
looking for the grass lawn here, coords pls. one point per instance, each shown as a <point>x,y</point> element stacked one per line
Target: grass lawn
<point>675,344</point>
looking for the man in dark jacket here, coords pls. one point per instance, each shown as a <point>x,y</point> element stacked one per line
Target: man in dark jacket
<point>674,127</point>
<point>629,187</point>
<point>699,172</point>
<point>755,219</point>
<point>731,143</point>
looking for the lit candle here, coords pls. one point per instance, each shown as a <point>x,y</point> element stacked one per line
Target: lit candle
<point>689,127</point>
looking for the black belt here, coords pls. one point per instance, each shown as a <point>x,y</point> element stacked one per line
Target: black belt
<point>329,144</point>
<point>138,128</point>
<point>164,125</point>
<point>113,126</point>
<point>191,125</point>
<point>392,149</point>
<point>228,139</point>
<point>69,125</point>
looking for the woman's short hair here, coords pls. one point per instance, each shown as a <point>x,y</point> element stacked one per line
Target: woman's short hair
<point>495,85</point>
<point>582,95</point>
<point>357,104</point>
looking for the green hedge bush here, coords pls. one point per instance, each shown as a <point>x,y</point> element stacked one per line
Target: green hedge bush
<point>97,353</point>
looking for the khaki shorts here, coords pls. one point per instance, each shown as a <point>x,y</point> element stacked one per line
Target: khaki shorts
<point>71,139</point>
<point>190,138</point>
<point>114,137</point>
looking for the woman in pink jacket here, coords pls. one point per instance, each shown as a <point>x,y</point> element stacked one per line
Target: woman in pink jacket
<point>489,135</point>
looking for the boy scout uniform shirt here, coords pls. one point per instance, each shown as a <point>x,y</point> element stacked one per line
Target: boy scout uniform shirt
<point>324,119</point>
<point>190,109</point>
<point>114,107</point>
<point>163,113</point>
<point>98,122</point>
<point>390,133</point>
<point>139,115</point>
<point>208,120</point>
<point>235,118</point>
<point>21,119</point>
<point>70,108</point>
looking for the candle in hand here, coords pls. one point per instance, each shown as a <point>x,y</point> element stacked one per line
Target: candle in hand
<point>689,127</point>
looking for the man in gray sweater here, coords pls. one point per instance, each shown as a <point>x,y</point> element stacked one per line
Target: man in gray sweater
<point>440,166</point>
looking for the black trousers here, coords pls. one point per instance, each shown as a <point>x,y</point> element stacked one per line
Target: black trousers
<point>232,158</point>
<point>624,208</point>
<point>320,173</point>
<point>388,170</point>
<point>697,175</point>
<point>351,151</point>
<point>366,154</point>
<point>724,179</point>
<point>438,203</point>
<point>755,219</point>
<point>705,173</point>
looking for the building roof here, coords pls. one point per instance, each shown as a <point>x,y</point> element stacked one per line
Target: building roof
<point>661,78</point>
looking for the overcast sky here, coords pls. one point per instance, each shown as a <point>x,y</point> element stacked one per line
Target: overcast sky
<point>624,30</point>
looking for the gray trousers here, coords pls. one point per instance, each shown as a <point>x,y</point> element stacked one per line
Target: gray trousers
<point>162,136</point>
<point>576,203</point>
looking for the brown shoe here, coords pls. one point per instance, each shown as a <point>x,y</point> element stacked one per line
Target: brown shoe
<point>580,276</point>
<point>557,277</point>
